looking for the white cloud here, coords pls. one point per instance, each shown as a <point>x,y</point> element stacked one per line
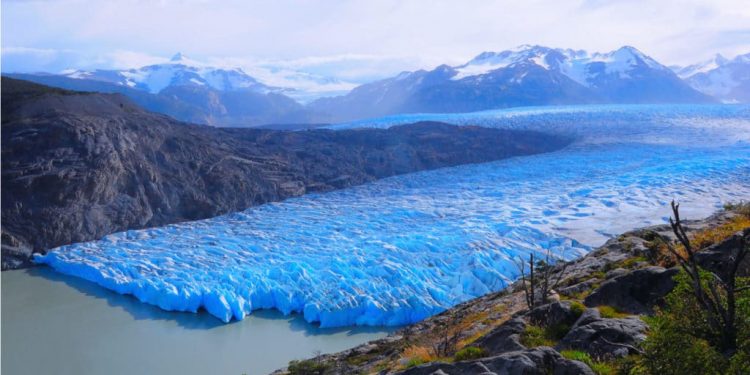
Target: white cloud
<point>360,40</point>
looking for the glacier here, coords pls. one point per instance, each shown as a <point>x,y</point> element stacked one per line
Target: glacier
<point>398,250</point>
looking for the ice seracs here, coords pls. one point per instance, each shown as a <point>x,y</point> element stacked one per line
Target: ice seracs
<point>400,249</point>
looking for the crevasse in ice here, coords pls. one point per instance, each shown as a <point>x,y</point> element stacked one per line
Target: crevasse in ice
<point>400,249</point>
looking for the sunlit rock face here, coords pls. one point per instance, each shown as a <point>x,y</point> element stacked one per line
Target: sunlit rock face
<point>400,249</point>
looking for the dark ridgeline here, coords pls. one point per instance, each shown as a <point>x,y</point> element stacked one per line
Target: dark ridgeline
<point>77,166</point>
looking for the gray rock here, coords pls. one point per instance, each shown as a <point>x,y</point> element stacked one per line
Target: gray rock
<point>537,361</point>
<point>588,316</point>
<point>504,338</point>
<point>553,314</point>
<point>717,258</point>
<point>578,288</point>
<point>636,292</point>
<point>600,337</point>
<point>615,272</point>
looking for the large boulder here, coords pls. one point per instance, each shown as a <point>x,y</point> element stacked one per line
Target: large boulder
<point>636,292</point>
<point>718,257</point>
<point>504,338</point>
<point>553,314</point>
<point>605,338</point>
<point>537,361</point>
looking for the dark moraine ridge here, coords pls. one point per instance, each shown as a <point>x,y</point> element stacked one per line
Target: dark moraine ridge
<point>78,166</point>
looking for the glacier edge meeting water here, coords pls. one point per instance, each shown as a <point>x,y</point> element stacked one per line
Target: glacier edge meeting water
<point>398,250</point>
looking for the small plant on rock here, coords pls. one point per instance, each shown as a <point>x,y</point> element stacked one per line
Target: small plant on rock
<point>470,352</point>
<point>540,277</point>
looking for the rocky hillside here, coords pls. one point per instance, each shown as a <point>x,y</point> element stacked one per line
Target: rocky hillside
<point>594,323</point>
<point>77,166</point>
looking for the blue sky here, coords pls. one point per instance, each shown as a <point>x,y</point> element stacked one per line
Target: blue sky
<point>356,41</point>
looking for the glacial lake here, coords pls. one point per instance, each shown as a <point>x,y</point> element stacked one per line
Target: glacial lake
<point>57,324</point>
<point>389,252</point>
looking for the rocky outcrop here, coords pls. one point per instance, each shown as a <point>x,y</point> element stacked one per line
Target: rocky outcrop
<point>604,338</point>
<point>635,292</point>
<point>554,314</point>
<point>716,257</point>
<point>505,338</point>
<point>541,361</point>
<point>77,166</point>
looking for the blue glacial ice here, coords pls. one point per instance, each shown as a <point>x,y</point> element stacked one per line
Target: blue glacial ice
<point>401,249</point>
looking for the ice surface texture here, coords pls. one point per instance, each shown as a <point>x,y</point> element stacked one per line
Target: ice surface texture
<point>401,249</point>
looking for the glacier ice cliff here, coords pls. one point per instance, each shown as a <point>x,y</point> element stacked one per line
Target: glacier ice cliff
<point>400,249</point>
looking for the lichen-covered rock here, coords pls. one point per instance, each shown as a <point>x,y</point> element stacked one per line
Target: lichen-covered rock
<point>588,316</point>
<point>605,337</point>
<point>537,361</point>
<point>505,338</point>
<point>553,314</point>
<point>635,292</point>
<point>718,257</point>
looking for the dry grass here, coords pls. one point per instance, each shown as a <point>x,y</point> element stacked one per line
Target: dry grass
<point>706,238</point>
<point>700,240</point>
<point>420,353</point>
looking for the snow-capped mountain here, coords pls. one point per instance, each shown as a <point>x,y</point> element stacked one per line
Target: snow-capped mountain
<point>190,91</point>
<point>701,67</point>
<point>527,75</point>
<point>179,71</point>
<point>724,79</point>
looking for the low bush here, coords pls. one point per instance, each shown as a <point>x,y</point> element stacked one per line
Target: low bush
<point>419,354</point>
<point>600,368</point>
<point>534,336</point>
<point>681,341</point>
<point>307,367</point>
<point>610,312</point>
<point>577,308</point>
<point>470,352</point>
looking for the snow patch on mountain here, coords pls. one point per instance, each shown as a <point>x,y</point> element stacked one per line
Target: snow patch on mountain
<point>702,67</point>
<point>578,65</point>
<point>727,80</point>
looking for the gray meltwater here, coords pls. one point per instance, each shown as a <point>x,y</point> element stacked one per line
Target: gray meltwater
<point>55,324</point>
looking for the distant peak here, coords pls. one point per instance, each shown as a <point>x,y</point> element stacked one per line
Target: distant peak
<point>720,60</point>
<point>178,57</point>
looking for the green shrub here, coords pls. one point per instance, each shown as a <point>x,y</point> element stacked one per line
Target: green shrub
<point>414,362</point>
<point>307,367</point>
<point>534,336</point>
<point>600,368</point>
<point>603,368</point>
<point>680,340</point>
<point>610,312</point>
<point>669,351</point>
<point>577,355</point>
<point>577,308</point>
<point>470,352</point>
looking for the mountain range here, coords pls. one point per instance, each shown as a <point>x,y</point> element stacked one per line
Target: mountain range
<point>724,79</point>
<point>527,75</point>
